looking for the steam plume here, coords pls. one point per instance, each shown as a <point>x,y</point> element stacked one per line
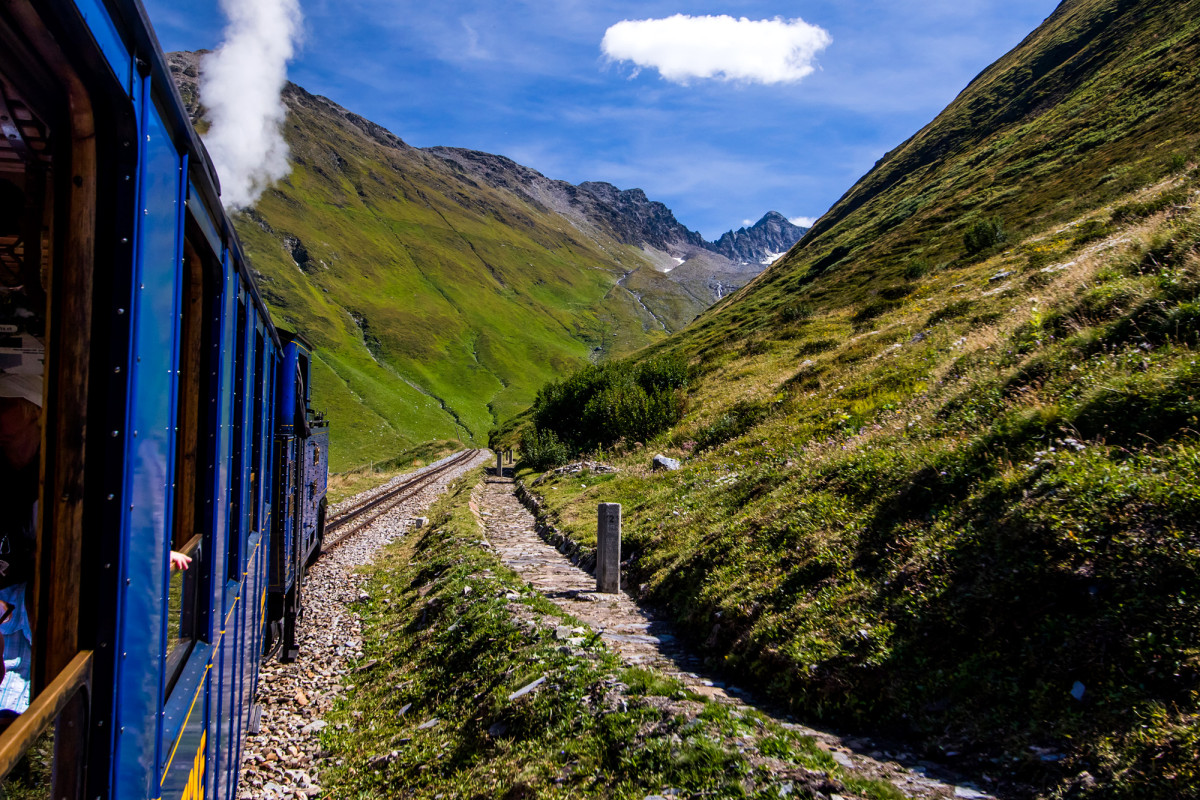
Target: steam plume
<point>241,85</point>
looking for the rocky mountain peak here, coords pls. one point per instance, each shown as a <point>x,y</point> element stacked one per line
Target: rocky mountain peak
<point>762,242</point>
<point>634,218</point>
<point>185,69</point>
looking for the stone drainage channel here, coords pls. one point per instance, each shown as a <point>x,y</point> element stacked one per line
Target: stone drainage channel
<point>640,639</point>
<point>282,759</point>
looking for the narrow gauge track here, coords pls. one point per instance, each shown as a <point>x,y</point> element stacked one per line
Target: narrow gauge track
<point>360,516</point>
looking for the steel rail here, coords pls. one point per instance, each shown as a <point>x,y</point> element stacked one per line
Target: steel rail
<point>388,500</point>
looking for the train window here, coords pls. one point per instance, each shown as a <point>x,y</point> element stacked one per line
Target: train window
<point>236,512</point>
<point>256,465</point>
<point>48,176</point>
<point>26,237</point>
<point>302,386</point>
<point>188,545</point>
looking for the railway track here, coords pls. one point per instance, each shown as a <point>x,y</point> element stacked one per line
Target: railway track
<point>350,522</point>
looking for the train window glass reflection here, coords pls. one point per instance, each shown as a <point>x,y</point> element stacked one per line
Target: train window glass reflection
<point>188,545</point>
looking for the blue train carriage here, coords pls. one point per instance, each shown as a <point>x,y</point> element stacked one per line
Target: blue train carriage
<point>137,405</point>
<point>302,445</point>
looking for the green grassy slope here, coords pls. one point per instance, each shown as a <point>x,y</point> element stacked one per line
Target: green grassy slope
<point>955,495</point>
<point>452,633</point>
<point>437,304</point>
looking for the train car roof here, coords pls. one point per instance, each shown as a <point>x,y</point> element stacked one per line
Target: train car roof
<point>131,17</point>
<point>287,336</point>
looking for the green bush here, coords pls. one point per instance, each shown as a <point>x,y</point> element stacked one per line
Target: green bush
<point>875,309</point>
<point>542,450</point>
<point>917,268</point>
<point>959,308</point>
<point>795,312</point>
<point>1089,231</point>
<point>601,405</point>
<point>984,235</point>
<point>814,346</point>
<point>755,347</point>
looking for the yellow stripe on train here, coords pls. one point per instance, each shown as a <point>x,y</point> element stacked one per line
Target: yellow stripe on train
<point>195,784</point>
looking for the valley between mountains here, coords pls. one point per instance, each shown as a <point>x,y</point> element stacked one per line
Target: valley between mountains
<point>442,287</point>
<point>932,476</point>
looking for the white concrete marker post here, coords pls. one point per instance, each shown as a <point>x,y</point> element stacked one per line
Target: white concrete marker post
<point>608,548</point>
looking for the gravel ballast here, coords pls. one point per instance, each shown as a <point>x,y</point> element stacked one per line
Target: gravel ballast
<point>283,760</point>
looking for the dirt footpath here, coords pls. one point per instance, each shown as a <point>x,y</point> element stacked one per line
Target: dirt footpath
<point>642,640</point>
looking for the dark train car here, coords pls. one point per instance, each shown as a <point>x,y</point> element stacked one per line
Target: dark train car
<point>141,383</point>
<point>302,445</point>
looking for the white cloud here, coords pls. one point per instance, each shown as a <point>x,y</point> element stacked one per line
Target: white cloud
<point>803,222</point>
<point>719,47</point>
<point>473,48</point>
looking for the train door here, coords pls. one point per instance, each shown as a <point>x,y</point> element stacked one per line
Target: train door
<point>50,241</point>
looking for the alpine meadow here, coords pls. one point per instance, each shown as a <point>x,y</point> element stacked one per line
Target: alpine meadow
<point>940,463</point>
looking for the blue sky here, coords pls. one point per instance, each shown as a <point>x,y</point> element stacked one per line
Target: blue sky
<point>528,79</point>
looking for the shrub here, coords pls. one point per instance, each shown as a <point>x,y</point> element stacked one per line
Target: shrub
<point>896,292</point>
<point>917,268</point>
<point>814,346</point>
<point>542,450</point>
<point>662,373</point>
<point>795,312</point>
<point>1089,231</point>
<point>755,347</point>
<point>599,405</point>
<point>984,235</point>
<point>959,308</point>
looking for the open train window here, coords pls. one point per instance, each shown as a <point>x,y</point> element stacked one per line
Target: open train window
<point>48,178</point>
<point>26,252</point>
<point>256,463</point>
<point>237,510</point>
<point>189,547</point>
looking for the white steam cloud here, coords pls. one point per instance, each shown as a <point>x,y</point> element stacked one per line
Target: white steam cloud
<point>719,47</point>
<point>241,86</point>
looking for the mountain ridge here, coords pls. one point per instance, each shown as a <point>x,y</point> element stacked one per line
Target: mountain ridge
<point>628,214</point>
<point>442,286</point>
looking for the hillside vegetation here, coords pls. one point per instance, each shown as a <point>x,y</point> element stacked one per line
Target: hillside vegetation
<point>434,306</point>
<point>437,302</point>
<point>451,636</point>
<point>941,462</point>
<point>443,286</point>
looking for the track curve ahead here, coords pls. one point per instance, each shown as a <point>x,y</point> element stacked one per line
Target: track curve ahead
<point>350,522</point>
